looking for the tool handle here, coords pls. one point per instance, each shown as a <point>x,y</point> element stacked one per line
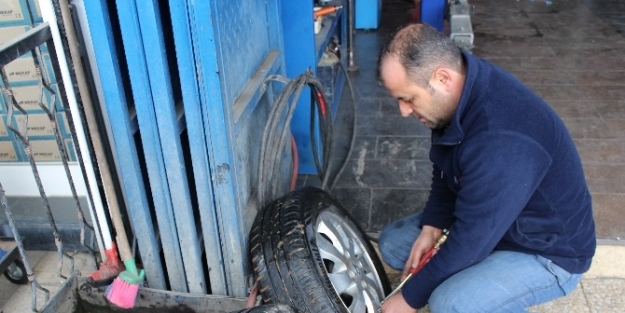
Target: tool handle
<point>430,253</point>
<point>424,259</point>
<point>326,10</point>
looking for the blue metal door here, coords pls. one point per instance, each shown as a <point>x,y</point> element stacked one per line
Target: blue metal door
<point>184,90</point>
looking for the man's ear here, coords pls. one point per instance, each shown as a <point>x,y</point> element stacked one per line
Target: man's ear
<point>444,78</point>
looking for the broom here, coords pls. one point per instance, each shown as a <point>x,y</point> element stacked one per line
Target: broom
<point>123,291</point>
<point>112,266</point>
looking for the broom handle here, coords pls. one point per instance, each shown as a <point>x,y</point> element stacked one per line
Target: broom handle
<point>122,240</point>
<point>98,147</point>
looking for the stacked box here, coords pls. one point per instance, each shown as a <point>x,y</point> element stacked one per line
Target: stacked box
<point>28,98</point>
<point>4,131</point>
<point>40,126</point>
<point>46,151</point>
<point>16,18</point>
<point>21,71</point>
<point>8,151</point>
<point>19,12</point>
<point>14,13</point>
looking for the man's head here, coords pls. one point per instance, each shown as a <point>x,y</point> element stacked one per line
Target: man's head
<point>424,71</point>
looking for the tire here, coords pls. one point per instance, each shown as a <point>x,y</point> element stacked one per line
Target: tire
<point>308,253</point>
<point>269,308</point>
<point>16,273</point>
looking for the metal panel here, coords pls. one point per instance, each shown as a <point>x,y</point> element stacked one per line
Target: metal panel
<point>198,144</point>
<point>169,133</point>
<point>241,27</point>
<point>151,142</point>
<point>224,52</point>
<point>216,117</point>
<point>126,152</point>
<point>230,49</point>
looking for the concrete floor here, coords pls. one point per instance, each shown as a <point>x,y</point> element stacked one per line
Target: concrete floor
<point>572,53</point>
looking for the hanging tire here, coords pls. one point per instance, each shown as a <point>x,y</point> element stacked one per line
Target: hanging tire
<point>308,253</point>
<point>16,273</point>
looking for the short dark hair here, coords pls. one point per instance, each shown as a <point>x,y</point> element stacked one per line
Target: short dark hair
<point>421,50</point>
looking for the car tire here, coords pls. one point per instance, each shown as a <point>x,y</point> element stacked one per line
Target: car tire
<point>308,253</point>
<point>269,308</point>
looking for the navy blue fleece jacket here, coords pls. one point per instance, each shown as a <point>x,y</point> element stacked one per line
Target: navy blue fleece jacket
<point>507,176</point>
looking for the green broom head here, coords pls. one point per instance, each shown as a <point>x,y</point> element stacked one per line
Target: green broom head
<point>131,274</point>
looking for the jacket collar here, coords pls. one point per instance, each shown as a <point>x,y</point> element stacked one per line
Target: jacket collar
<point>453,134</point>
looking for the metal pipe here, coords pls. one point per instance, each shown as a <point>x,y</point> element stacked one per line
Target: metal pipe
<point>351,66</point>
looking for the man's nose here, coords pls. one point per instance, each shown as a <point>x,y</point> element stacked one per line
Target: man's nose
<point>404,108</point>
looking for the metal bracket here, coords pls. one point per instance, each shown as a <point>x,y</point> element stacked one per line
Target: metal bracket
<point>460,24</point>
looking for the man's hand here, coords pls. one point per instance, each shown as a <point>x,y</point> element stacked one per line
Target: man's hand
<point>397,304</point>
<point>426,240</point>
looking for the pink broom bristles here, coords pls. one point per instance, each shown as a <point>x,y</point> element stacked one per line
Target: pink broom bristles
<point>122,293</point>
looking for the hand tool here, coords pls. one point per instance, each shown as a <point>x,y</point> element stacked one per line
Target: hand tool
<point>327,10</point>
<point>424,259</point>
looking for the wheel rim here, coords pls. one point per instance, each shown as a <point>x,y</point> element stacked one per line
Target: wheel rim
<point>350,268</point>
<point>14,271</point>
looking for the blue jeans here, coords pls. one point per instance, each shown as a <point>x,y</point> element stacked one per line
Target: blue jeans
<point>505,281</point>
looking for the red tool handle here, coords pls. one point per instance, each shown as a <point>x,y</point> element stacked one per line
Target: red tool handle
<point>430,253</point>
<point>424,259</point>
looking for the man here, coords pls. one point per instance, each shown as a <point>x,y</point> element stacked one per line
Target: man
<point>507,183</point>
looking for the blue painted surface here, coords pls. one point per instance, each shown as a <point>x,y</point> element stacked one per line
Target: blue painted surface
<point>169,132</point>
<point>150,141</point>
<point>126,153</point>
<point>367,13</point>
<point>224,50</point>
<point>216,130</point>
<point>198,144</point>
<point>303,49</point>
<point>230,39</point>
<point>433,13</point>
<point>241,27</point>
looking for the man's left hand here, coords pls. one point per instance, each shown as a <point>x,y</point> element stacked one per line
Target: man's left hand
<point>397,304</point>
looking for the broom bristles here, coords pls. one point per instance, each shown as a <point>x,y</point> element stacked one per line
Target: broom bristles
<point>122,293</point>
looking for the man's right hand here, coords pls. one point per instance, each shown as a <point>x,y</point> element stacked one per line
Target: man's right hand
<point>426,240</point>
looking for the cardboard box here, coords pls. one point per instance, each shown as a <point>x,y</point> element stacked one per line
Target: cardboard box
<point>39,125</point>
<point>12,12</point>
<point>8,33</point>
<point>4,131</point>
<point>45,150</point>
<point>8,152</point>
<point>28,98</point>
<point>21,70</point>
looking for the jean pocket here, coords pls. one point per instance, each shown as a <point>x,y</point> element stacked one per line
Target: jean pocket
<point>566,280</point>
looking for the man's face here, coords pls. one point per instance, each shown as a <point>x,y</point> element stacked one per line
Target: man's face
<point>433,105</point>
